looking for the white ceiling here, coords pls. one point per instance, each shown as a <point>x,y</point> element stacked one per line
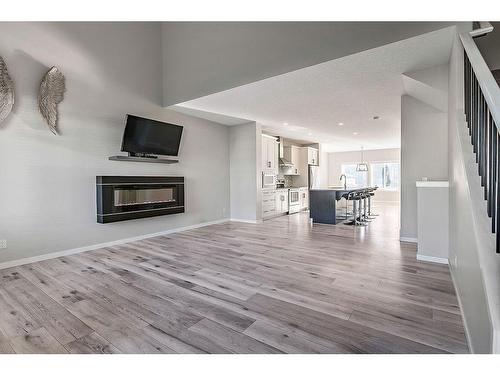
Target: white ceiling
<point>310,103</point>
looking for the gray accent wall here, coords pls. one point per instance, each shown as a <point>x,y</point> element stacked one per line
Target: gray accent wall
<point>424,153</point>
<point>47,188</point>
<point>201,58</point>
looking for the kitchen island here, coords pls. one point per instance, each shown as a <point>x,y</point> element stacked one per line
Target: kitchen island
<point>323,203</point>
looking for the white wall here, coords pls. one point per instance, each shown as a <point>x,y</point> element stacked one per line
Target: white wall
<point>245,161</point>
<point>424,153</point>
<point>202,58</point>
<point>336,159</point>
<point>47,189</point>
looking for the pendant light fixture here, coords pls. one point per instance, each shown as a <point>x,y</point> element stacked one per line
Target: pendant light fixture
<point>362,166</point>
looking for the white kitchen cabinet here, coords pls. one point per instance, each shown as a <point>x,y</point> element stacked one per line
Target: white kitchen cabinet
<point>281,202</point>
<point>312,156</point>
<point>270,150</point>
<point>304,198</point>
<point>268,203</point>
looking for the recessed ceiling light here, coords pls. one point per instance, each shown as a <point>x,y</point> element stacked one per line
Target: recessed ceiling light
<point>341,124</point>
<point>309,133</point>
<point>285,123</point>
<point>355,133</point>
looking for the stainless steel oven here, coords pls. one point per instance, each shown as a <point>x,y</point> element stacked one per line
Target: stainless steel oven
<point>268,181</point>
<point>293,201</point>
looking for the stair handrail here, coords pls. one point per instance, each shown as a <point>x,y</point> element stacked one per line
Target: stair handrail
<point>484,28</point>
<point>487,82</point>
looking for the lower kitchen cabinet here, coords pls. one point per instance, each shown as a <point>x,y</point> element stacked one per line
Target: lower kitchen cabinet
<point>268,203</point>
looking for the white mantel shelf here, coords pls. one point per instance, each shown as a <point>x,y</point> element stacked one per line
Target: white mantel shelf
<point>433,184</point>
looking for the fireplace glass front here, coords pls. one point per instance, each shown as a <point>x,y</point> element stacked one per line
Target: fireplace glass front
<point>131,197</point>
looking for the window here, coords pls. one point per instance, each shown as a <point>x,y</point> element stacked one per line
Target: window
<point>354,178</point>
<point>385,175</point>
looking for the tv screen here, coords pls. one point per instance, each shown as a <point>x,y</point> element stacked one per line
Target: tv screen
<point>146,136</point>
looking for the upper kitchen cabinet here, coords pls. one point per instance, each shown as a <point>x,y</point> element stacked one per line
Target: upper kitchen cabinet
<point>312,156</point>
<point>270,151</point>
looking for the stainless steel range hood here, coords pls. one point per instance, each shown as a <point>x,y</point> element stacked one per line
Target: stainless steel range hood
<point>282,161</point>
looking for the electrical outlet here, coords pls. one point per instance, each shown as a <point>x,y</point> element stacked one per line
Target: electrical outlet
<point>3,244</point>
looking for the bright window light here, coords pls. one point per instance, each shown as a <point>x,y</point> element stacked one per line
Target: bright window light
<point>386,175</point>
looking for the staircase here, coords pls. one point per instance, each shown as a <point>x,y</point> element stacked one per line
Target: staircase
<point>474,144</point>
<point>482,113</point>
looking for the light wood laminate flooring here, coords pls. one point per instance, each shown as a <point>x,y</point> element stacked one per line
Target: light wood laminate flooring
<point>283,286</point>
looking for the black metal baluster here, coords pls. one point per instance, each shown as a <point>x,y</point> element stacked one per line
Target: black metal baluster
<point>466,90</point>
<point>487,164</point>
<point>478,121</point>
<point>497,136</point>
<point>471,81</point>
<point>480,141</point>
<point>471,104</point>
<point>472,114</point>
<point>474,118</point>
<point>469,99</point>
<point>493,180</point>
<point>484,115</point>
<point>482,138</point>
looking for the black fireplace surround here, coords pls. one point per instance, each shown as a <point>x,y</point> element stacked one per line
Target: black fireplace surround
<point>135,197</point>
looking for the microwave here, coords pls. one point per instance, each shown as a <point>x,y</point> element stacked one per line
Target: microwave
<point>268,181</point>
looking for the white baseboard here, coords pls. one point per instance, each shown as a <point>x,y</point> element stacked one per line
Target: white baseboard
<point>426,258</point>
<point>408,239</point>
<point>57,254</point>
<point>464,321</point>
<point>495,342</point>
<point>244,221</point>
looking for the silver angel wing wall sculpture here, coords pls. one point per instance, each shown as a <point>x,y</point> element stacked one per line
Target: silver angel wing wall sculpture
<point>51,94</point>
<point>6,91</point>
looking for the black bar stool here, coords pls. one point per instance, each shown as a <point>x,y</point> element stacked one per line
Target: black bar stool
<point>346,196</point>
<point>372,193</point>
<point>365,196</point>
<point>356,197</point>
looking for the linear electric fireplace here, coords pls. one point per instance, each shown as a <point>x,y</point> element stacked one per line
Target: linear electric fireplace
<point>134,197</point>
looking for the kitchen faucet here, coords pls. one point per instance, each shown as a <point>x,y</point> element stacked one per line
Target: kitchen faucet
<point>345,180</point>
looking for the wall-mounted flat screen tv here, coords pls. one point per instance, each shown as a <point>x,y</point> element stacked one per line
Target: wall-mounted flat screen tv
<point>144,137</point>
